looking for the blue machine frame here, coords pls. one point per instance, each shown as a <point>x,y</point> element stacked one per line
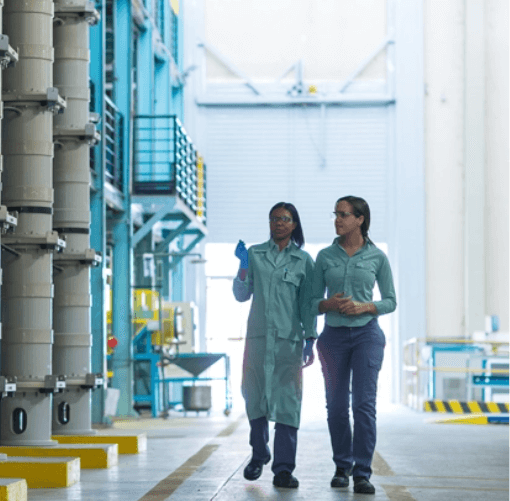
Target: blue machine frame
<point>196,363</point>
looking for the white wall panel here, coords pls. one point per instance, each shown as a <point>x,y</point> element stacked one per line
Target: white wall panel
<point>258,156</point>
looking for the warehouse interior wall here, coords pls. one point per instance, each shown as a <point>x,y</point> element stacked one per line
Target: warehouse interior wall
<point>348,147</point>
<point>466,165</point>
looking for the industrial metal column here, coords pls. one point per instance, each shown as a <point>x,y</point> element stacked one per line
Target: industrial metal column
<point>73,134</point>
<point>8,57</point>
<point>30,101</point>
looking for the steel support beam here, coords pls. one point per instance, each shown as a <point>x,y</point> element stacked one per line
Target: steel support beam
<point>474,167</point>
<point>122,226</point>
<point>177,259</point>
<point>98,220</point>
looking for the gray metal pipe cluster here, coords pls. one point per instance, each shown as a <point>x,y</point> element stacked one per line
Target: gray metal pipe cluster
<point>46,289</point>
<point>73,134</point>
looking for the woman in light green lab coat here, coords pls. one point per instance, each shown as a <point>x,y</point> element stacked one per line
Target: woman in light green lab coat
<point>278,274</point>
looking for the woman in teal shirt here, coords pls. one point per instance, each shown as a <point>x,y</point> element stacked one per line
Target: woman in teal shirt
<point>278,275</point>
<point>352,342</point>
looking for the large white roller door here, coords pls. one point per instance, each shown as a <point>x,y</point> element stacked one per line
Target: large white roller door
<point>257,156</point>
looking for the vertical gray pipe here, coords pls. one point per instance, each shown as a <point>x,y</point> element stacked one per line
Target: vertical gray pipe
<point>73,135</point>
<point>8,57</point>
<point>30,102</point>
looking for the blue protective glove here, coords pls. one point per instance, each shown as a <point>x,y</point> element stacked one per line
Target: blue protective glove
<point>308,355</point>
<point>242,255</point>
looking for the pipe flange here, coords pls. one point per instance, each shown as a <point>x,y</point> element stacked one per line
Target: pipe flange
<point>85,8</point>
<point>8,56</point>
<point>7,386</point>
<point>51,383</point>
<point>88,134</point>
<point>8,221</point>
<point>50,241</point>
<point>91,381</point>
<point>89,257</point>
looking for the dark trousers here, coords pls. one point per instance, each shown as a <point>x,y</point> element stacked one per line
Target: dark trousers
<point>356,351</point>
<point>285,444</point>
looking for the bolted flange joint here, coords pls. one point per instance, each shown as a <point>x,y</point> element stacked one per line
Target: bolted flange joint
<point>53,384</point>
<point>7,386</point>
<point>8,56</point>
<point>93,381</point>
<point>55,103</point>
<point>7,220</point>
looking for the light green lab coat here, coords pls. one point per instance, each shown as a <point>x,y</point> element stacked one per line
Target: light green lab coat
<point>280,319</point>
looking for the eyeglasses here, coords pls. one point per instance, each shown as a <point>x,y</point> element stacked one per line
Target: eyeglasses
<point>343,215</point>
<point>283,219</point>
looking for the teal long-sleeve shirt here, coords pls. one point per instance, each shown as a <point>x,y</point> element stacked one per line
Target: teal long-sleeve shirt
<point>355,276</point>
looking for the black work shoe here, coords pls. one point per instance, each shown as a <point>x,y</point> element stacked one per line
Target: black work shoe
<point>285,479</point>
<point>340,478</point>
<point>254,469</point>
<point>363,486</point>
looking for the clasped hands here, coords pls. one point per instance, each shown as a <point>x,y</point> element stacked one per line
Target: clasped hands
<point>344,305</point>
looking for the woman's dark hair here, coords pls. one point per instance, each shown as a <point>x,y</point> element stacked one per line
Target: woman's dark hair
<point>297,235</point>
<point>360,208</point>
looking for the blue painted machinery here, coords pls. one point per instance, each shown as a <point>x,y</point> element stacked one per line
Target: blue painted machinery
<point>151,385</point>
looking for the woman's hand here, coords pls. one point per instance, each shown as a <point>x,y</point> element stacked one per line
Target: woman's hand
<point>345,305</point>
<point>352,308</point>
<point>242,254</point>
<point>308,355</point>
<point>334,303</point>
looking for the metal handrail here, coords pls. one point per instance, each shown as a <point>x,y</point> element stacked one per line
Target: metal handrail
<point>166,161</point>
<point>113,143</point>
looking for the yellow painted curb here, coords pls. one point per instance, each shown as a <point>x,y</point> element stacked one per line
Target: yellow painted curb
<point>42,472</point>
<point>468,407</point>
<point>468,419</point>
<point>91,455</point>
<point>128,444</point>
<point>13,489</point>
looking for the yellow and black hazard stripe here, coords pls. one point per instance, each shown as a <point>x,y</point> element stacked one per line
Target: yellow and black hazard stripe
<point>465,407</point>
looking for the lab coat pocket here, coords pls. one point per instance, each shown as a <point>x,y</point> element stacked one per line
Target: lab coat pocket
<point>292,278</point>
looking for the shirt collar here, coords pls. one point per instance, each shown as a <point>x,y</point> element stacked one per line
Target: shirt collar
<point>337,242</point>
<point>273,246</point>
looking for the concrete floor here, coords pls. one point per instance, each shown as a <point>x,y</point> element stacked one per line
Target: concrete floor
<point>197,458</point>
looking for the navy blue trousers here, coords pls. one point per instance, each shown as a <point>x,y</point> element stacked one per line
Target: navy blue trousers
<point>285,444</point>
<point>356,352</point>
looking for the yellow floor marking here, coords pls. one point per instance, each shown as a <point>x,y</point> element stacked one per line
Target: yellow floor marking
<point>397,493</point>
<point>467,419</point>
<point>455,487</point>
<point>380,466</point>
<point>483,479</point>
<point>168,485</point>
<point>231,427</point>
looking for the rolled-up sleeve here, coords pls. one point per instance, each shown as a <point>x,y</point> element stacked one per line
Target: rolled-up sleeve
<point>384,277</point>
<point>308,318</point>
<point>243,289</point>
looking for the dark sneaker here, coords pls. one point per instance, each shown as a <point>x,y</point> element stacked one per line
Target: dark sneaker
<point>340,478</point>
<point>363,486</point>
<point>254,469</point>
<point>286,480</point>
